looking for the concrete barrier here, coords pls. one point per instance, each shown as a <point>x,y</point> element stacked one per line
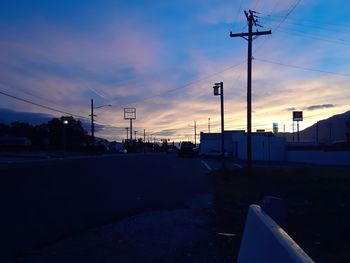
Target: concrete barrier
<point>265,241</point>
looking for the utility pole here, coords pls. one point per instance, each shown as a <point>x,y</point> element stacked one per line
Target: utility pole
<point>127,133</point>
<point>135,134</point>
<point>208,125</point>
<point>252,20</point>
<point>195,134</point>
<point>92,120</point>
<point>92,123</point>
<point>144,135</point>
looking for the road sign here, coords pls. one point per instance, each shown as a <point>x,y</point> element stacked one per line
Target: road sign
<point>129,113</point>
<point>297,116</point>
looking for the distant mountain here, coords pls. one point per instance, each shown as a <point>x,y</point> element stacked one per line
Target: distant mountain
<point>331,129</point>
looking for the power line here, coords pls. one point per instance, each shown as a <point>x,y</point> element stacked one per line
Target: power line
<point>318,23</point>
<point>291,9</point>
<point>26,92</point>
<point>302,68</point>
<point>186,85</point>
<point>54,109</point>
<point>313,36</point>
<point>41,106</point>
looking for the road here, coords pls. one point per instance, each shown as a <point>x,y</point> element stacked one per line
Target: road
<point>48,201</point>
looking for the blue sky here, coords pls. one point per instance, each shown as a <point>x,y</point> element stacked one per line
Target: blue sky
<point>163,57</point>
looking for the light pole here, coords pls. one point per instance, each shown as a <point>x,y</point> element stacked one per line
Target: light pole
<point>64,123</point>
<point>219,90</point>
<point>92,120</point>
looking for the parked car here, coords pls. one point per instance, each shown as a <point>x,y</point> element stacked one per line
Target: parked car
<point>186,149</point>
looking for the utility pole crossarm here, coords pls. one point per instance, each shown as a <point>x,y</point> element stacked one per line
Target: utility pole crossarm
<point>257,33</point>
<point>260,33</point>
<point>238,34</point>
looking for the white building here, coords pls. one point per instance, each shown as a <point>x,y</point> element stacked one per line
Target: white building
<point>265,145</point>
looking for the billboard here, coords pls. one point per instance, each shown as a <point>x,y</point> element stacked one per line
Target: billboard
<point>129,113</point>
<point>297,115</point>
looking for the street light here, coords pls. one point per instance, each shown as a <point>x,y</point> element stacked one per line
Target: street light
<point>219,90</point>
<point>65,123</point>
<point>92,120</point>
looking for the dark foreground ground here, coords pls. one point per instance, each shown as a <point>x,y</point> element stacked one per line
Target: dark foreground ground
<point>161,208</point>
<point>124,208</point>
<point>318,202</point>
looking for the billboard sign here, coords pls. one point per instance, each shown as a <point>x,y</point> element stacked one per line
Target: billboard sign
<point>129,113</point>
<point>297,115</point>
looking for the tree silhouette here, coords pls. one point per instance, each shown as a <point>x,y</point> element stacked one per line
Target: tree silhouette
<point>49,135</point>
<point>74,132</point>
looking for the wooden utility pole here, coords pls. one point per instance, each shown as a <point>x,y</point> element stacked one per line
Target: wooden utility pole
<point>208,125</point>
<point>195,134</point>
<point>92,123</point>
<point>252,20</point>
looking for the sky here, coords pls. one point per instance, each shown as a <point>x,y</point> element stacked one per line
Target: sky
<point>163,57</point>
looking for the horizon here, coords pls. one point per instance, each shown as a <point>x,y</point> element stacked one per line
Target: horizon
<point>164,58</point>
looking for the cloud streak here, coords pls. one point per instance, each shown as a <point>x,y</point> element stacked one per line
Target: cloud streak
<point>320,106</point>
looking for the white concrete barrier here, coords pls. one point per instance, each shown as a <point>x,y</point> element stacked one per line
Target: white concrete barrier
<point>264,241</point>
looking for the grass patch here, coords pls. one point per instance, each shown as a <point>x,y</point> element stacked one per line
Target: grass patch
<point>318,202</point>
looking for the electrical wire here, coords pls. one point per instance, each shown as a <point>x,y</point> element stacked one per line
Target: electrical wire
<point>41,105</point>
<point>302,68</point>
<point>55,110</point>
<point>186,85</point>
<point>291,9</point>
<point>313,36</point>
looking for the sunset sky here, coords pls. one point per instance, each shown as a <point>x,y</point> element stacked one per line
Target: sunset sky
<point>163,57</point>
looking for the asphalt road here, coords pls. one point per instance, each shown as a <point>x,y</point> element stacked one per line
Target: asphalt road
<point>44,202</point>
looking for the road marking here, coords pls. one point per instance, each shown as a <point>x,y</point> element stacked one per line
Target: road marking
<point>227,234</point>
<point>206,165</point>
<point>238,165</point>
